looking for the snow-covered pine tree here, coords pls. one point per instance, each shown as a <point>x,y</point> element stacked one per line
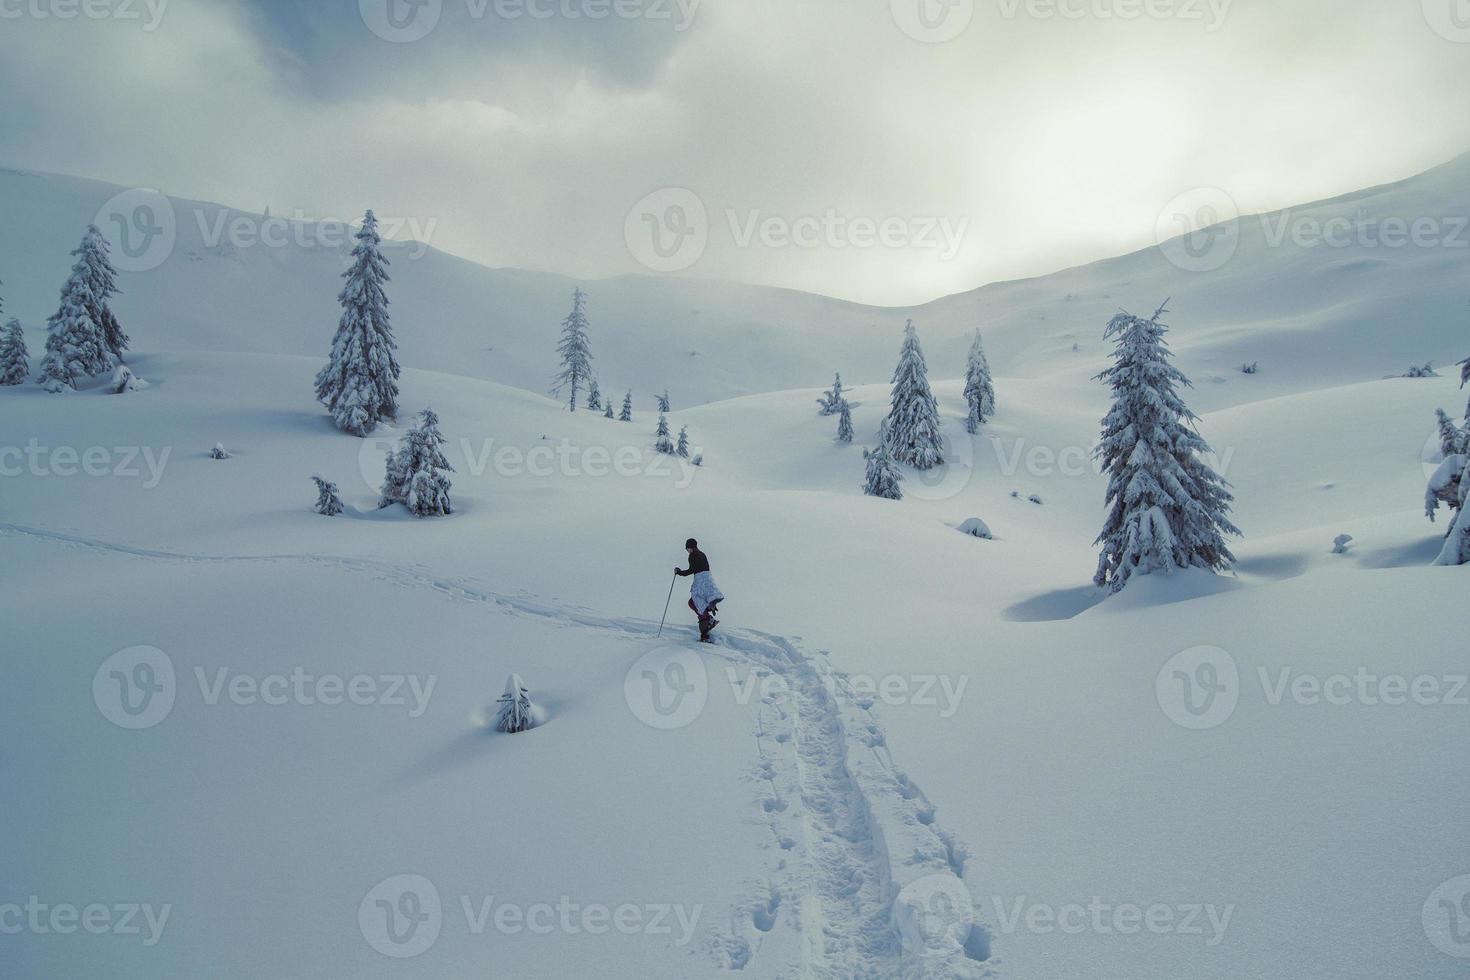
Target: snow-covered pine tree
<point>575,351</point>
<point>831,401</point>
<point>1167,509</point>
<point>979,389</point>
<point>627,413</point>
<point>15,360</point>
<point>416,473</point>
<point>663,402</point>
<point>359,385</point>
<point>1465,380</point>
<point>682,449</point>
<point>594,398</point>
<point>844,423</point>
<point>1452,439</point>
<point>664,444</point>
<point>913,421</point>
<point>328,503</point>
<point>608,412</point>
<point>76,347</point>
<point>93,253</point>
<point>883,475</point>
<point>517,713</point>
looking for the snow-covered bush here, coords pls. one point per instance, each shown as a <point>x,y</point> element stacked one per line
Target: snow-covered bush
<point>1340,545</point>
<point>831,401</point>
<point>1252,368</point>
<point>883,475</point>
<point>359,385</point>
<point>517,713</point>
<point>417,474</point>
<point>976,528</point>
<point>844,424</point>
<point>1035,498</point>
<point>979,389</point>
<point>697,460</point>
<point>218,452</point>
<point>15,360</point>
<point>1167,509</point>
<point>1427,371</point>
<point>913,421</point>
<point>575,351</point>
<point>124,380</point>
<point>328,503</point>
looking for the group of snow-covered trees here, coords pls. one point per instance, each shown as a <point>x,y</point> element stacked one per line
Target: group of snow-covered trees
<point>1450,484</point>
<point>84,338</point>
<point>910,434</point>
<point>1167,509</point>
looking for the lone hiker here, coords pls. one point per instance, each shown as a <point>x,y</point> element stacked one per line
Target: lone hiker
<point>704,596</point>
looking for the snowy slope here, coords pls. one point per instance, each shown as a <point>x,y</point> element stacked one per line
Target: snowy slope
<point>1023,748</point>
<point>1350,289</point>
<point>893,705</point>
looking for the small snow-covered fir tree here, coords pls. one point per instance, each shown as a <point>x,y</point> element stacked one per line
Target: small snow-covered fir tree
<point>416,474</point>
<point>682,449</point>
<point>1167,509</point>
<point>883,475</point>
<point>627,413</point>
<point>979,389</point>
<point>831,401</point>
<point>608,412</point>
<point>328,503</point>
<point>1465,380</point>
<point>664,444</point>
<point>76,347</point>
<point>359,385</point>
<point>15,360</point>
<point>575,351</point>
<point>219,452</point>
<point>517,713</point>
<point>594,398</point>
<point>663,402</point>
<point>844,423</point>
<point>913,421</point>
<point>124,381</point>
<point>93,254</point>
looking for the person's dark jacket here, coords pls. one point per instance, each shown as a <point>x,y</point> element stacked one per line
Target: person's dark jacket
<point>697,563</point>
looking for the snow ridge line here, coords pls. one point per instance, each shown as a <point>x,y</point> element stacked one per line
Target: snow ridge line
<point>869,831</point>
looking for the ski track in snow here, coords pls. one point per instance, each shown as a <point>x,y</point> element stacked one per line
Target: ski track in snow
<point>849,828</point>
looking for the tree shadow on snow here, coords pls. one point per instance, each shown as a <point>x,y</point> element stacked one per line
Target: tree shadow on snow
<point>1416,555</point>
<point>1056,606</point>
<point>478,745</point>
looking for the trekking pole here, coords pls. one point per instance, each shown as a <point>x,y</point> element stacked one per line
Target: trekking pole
<point>669,600</point>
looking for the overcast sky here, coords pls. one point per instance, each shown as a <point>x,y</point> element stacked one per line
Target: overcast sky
<point>888,151</point>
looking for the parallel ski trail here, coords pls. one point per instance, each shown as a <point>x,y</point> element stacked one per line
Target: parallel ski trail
<point>846,883</point>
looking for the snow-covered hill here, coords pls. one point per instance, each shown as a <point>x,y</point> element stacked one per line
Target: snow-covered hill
<point>1348,290</point>
<point>893,707</point>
